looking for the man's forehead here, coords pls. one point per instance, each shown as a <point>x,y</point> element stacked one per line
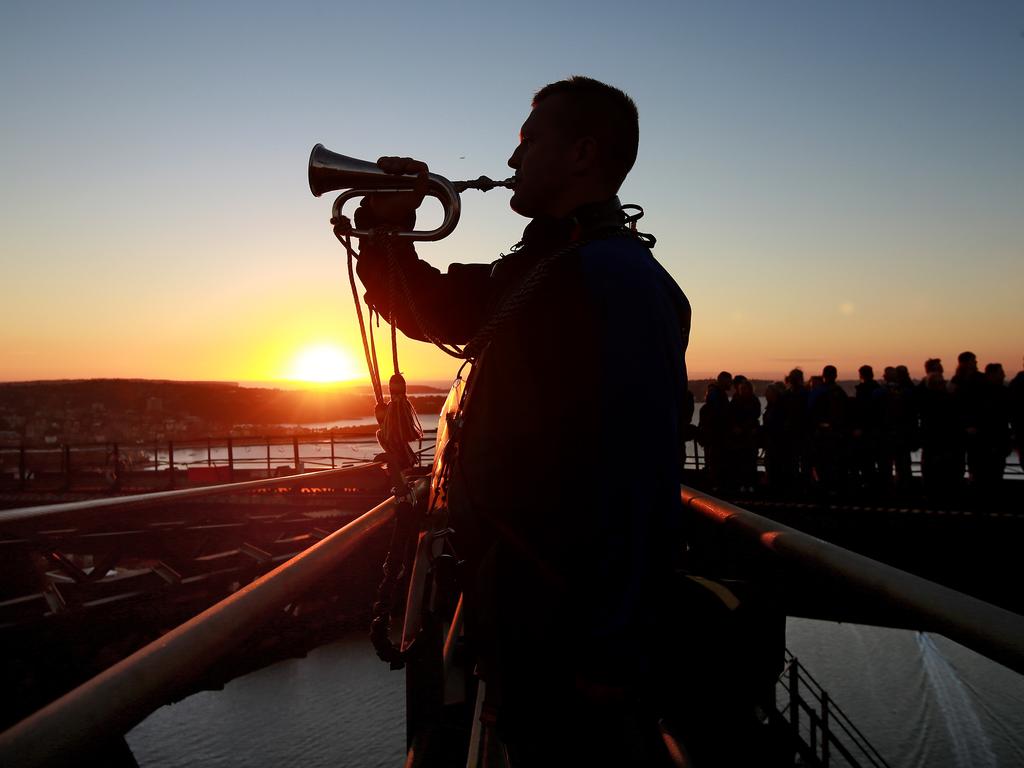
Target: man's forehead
<point>548,113</point>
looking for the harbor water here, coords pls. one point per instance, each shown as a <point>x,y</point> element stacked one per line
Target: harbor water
<point>921,699</point>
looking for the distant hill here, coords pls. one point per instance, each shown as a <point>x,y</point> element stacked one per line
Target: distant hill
<point>80,410</point>
<point>220,402</point>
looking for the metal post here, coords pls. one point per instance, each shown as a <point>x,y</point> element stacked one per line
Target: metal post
<point>22,467</point>
<point>67,467</point>
<point>295,451</point>
<point>170,460</point>
<point>268,455</point>
<point>824,729</point>
<point>209,453</point>
<point>117,468</point>
<point>813,717</point>
<point>231,460</point>
<point>333,465</point>
<point>794,699</point>
<point>156,457</point>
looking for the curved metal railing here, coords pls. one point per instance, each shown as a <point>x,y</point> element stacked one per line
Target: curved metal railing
<point>992,631</point>
<point>160,498</point>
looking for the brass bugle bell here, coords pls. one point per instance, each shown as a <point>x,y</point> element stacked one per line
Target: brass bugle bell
<point>329,171</point>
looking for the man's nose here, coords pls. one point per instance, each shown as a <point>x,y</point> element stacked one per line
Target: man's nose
<point>513,161</point>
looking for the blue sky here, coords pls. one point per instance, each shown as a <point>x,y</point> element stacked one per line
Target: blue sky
<point>840,181</point>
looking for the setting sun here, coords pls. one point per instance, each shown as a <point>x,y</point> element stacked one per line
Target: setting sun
<point>323,363</point>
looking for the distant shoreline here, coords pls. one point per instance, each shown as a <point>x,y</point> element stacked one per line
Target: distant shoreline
<point>83,411</point>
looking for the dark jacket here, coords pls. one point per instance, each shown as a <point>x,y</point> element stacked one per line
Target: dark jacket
<point>566,550</point>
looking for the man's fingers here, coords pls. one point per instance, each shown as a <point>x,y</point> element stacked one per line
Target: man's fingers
<point>406,165</point>
<point>421,185</point>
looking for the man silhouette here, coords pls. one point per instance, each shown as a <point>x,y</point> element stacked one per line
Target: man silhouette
<point>579,338</point>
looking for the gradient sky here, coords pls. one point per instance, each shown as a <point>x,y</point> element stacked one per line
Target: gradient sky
<point>828,182</point>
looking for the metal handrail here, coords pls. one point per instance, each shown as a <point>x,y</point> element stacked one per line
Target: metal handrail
<point>119,698</point>
<point>988,629</point>
<point>159,498</point>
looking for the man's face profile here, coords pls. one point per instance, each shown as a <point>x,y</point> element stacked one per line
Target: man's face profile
<point>543,161</point>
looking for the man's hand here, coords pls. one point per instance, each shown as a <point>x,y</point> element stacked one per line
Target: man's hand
<point>395,210</point>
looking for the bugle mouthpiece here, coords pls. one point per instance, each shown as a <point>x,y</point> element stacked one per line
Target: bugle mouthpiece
<point>484,184</point>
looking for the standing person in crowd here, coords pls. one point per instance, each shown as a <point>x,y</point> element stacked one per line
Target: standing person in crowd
<point>903,408</point>
<point>773,435</point>
<point>931,365</point>
<point>1016,391</point>
<point>968,386</point>
<point>746,417</point>
<point>993,438</point>
<point>715,426</point>
<point>888,418</point>
<point>939,433</point>
<point>793,463</point>
<point>866,427</point>
<point>828,406</point>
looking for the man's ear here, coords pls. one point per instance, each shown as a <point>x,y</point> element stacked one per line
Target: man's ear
<point>586,153</point>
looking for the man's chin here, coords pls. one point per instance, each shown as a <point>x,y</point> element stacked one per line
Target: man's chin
<point>522,207</point>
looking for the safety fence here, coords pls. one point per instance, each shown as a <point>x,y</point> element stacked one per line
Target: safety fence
<point>184,463</point>
<point>113,466</point>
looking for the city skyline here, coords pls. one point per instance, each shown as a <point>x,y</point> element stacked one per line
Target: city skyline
<point>833,184</point>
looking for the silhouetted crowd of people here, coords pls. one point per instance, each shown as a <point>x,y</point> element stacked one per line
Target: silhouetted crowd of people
<point>816,435</point>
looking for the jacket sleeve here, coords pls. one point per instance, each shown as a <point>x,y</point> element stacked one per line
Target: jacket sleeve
<point>426,303</point>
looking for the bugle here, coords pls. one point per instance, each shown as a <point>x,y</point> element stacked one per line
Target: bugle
<point>330,171</point>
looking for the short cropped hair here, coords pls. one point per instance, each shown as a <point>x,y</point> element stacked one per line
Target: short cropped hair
<point>605,112</point>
